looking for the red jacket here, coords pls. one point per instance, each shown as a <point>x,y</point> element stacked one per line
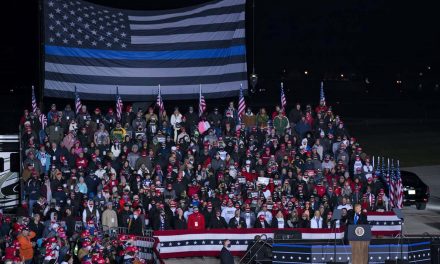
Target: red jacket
<point>196,221</point>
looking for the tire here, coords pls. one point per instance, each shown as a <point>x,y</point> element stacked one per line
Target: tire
<point>421,206</point>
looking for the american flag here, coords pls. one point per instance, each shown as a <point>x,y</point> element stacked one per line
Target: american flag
<point>392,184</point>
<point>119,104</point>
<point>241,103</point>
<point>283,97</point>
<point>398,188</point>
<point>34,100</point>
<point>202,102</point>
<point>95,47</point>
<point>78,104</point>
<point>159,101</point>
<point>321,93</point>
<point>43,120</point>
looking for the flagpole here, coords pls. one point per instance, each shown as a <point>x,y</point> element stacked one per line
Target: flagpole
<point>200,100</point>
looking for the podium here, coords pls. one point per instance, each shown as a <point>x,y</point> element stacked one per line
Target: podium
<point>359,237</point>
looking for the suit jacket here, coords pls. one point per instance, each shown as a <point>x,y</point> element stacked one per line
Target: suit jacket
<point>361,221</point>
<point>218,223</point>
<point>252,219</point>
<point>259,225</point>
<point>233,223</point>
<point>226,256</point>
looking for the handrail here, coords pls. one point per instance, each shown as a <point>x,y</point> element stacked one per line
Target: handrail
<point>256,243</point>
<point>261,246</point>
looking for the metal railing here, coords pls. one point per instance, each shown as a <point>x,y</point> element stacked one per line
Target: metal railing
<point>261,243</point>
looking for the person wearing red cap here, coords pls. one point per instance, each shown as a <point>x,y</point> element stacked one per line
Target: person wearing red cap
<point>196,220</point>
<point>261,222</point>
<point>97,116</point>
<point>26,248</point>
<point>145,160</point>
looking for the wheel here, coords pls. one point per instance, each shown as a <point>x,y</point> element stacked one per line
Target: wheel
<point>421,206</point>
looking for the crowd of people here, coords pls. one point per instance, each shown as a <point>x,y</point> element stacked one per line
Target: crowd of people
<point>149,170</point>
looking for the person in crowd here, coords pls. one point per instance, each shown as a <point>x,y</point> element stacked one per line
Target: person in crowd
<point>316,221</point>
<point>225,254</point>
<point>26,245</point>
<point>150,171</point>
<point>196,221</point>
<point>237,221</point>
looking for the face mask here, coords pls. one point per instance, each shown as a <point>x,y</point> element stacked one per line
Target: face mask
<point>135,216</point>
<point>304,218</point>
<point>229,245</point>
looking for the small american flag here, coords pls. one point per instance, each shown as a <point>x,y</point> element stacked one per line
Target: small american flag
<point>321,93</point>
<point>43,121</point>
<point>78,104</point>
<point>283,97</point>
<point>159,101</point>
<point>398,188</point>
<point>119,104</point>
<point>392,183</point>
<point>202,102</point>
<point>34,100</point>
<point>241,103</point>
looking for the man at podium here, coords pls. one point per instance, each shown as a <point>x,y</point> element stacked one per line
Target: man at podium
<point>357,217</point>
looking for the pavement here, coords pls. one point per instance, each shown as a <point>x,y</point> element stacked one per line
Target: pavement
<point>425,221</point>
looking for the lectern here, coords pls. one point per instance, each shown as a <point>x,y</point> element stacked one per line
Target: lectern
<point>359,237</point>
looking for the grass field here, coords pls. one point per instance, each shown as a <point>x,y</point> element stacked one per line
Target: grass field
<point>413,142</point>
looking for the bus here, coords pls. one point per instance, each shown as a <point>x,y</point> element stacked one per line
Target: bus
<point>9,172</point>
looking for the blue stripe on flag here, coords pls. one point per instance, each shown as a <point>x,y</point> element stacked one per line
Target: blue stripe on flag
<point>145,55</point>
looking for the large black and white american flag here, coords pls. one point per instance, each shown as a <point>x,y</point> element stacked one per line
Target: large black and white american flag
<point>97,49</point>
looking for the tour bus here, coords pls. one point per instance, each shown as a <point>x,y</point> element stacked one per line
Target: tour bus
<point>9,172</point>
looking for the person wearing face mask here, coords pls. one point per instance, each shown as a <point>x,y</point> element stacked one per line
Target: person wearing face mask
<point>304,221</point>
<point>261,222</point>
<point>248,216</point>
<point>196,221</point>
<point>162,221</point>
<point>84,251</point>
<point>225,254</point>
<point>109,217</point>
<point>237,221</point>
<point>179,221</point>
<point>135,225</point>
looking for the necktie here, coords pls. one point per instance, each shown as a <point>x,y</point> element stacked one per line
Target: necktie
<point>356,217</point>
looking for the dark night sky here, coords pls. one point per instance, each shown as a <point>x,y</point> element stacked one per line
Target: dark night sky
<point>379,40</point>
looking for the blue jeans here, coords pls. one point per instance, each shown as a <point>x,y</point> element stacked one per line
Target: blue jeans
<point>31,206</point>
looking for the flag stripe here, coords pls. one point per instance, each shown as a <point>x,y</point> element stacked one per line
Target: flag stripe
<point>131,93</point>
<point>143,81</point>
<point>205,20</point>
<point>227,26</point>
<point>146,63</point>
<point>180,13</point>
<point>144,72</point>
<point>191,37</point>
<point>146,55</point>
